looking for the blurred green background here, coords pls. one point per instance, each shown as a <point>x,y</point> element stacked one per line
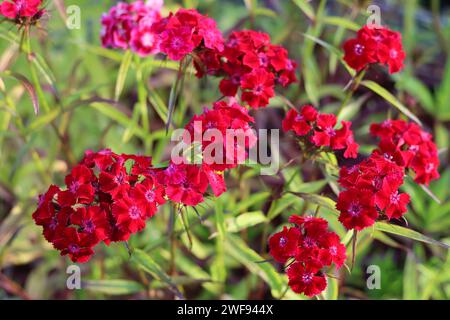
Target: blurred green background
<point>223,257</point>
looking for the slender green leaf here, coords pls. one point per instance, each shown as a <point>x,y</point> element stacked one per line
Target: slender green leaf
<point>324,44</point>
<point>419,91</point>
<point>408,233</point>
<point>244,221</point>
<point>410,285</point>
<point>319,200</point>
<point>118,116</point>
<point>113,287</point>
<point>218,269</point>
<point>150,266</point>
<point>342,22</point>
<point>332,290</point>
<point>306,8</point>
<point>28,87</point>
<point>158,104</point>
<point>264,12</point>
<point>43,120</point>
<point>382,92</point>
<point>122,75</point>
<point>443,93</point>
<point>237,249</point>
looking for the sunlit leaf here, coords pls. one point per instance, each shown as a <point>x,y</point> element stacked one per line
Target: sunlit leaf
<point>113,287</point>
<point>407,233</point>
<point>149,265</point>
<point>28,87</point>
<point>122,75</point>
<point>382,92</point>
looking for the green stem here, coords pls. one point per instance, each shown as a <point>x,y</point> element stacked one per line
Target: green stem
<point>173,242</point>
<point>40,93</point>
<point>356,81</point>
<point>34,154</point>
<point>435,5</point>
<point>34,75</point>
<point>142,99</point>
<point>316,213</point>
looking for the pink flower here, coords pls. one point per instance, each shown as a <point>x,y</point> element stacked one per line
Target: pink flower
<point>131,26</point>
<point>144,42</point>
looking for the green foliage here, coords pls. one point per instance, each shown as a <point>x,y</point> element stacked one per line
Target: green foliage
<point>89,97</point>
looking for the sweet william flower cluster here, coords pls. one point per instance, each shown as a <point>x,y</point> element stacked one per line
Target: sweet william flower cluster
<point>309,248</point>
<point>108,197</point>
<point>246,61</point>
<point>139,26</point>
<point>249,63</point>
<point>129,26</point>
<point>372,187</point>
<point>375,44</point>
<point>319,130</point>
<point>102,186</point>
<point>186,32</point>
<point>103,202</point>
<point>228,119</point>
<point>409,146</point>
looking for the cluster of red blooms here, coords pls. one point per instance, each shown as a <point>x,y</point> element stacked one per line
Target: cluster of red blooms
<point>319,130</point>
<point>309,248</point>
<point>21,10</point>
<point>375,45</point>
<point>249,62</point>
<point>409,146</point>
<point>232,124</point>
<point>110,196</point>
<point>246,61</point>
<point>129,26</point>
<point>187,183</point>
<point>140,27</point>
<point>187,31</point>
<point>371,189</point>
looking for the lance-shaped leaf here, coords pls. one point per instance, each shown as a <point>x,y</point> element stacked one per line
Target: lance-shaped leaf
<point>386,95</point>
<point>28,86</point>
<point>257,265</point>
<point>152,267</point>
<point>407,233</point>
<point>113,287</point>
<point>319,200</point>
<point>122,75</point>
<point>176,88</point>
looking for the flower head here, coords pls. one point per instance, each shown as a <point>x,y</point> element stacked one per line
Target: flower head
<point>316,129</point>
<point>283,245</point>
<point>375,45</point>
<point>129,26</point>
<point>186,31</point>
<point>309,248</point>
<point>22,9</point>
